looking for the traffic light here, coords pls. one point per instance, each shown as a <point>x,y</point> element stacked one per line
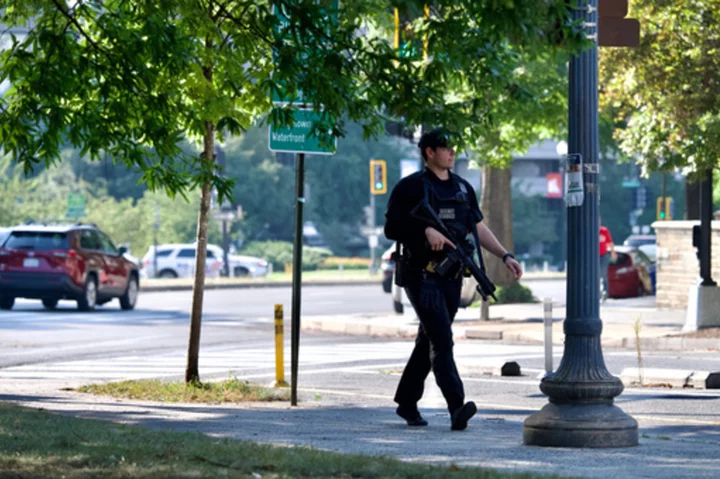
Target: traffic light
<point>665,208</point>
<point>614,30</point>
<point>378,177</point>
<point>669,208</point>
<point>404,41</point>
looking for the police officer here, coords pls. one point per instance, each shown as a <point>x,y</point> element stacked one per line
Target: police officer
<point>434,298</point>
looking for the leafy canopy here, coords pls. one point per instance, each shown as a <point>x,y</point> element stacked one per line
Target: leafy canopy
<point>133,78</point>
<point>668,88</point>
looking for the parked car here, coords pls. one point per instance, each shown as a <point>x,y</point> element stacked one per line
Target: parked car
<point>388,269</point>
<point>639,240</point>
<point>77,262</point>
<point>632,274</point>
<point>468,294</point>
<point>242,266</point>
<point>645,243</point>
<point>178,261</point>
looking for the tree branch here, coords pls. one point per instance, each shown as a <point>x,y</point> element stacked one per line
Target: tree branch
<point>74,21</point>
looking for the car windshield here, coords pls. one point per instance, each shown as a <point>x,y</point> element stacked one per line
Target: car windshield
<point>3,236</point>
<point>36,240</point>
<point>639,241</point>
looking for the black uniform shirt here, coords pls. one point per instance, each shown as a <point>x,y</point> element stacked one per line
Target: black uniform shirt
<point>409,191</point>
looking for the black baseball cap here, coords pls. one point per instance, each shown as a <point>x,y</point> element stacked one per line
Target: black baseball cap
<point>436,138</point>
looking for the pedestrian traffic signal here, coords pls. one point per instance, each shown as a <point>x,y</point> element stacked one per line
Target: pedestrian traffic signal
<point>665,207</point>
<point>378,177</point>
<point>614,30</point>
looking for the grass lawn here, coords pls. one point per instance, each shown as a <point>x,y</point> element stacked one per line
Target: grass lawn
<point>230,390</point>
<point>35,443</point>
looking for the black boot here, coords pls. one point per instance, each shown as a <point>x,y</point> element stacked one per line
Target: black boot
<point>460,417</point>
<point>411,415</point>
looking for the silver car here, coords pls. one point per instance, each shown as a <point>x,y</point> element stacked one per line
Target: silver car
<point>243,266</point>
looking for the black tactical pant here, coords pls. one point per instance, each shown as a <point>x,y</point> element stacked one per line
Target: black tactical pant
<point>436,302</point>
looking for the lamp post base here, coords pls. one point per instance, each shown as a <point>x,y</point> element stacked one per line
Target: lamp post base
<point>599,425</point>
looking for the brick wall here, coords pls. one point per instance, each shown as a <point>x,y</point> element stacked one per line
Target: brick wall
<point>677,265</point>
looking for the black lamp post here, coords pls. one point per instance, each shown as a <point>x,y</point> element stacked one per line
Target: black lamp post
<point>580,412</point>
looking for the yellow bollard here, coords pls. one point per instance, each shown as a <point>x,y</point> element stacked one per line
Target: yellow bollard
<point>279,346</point>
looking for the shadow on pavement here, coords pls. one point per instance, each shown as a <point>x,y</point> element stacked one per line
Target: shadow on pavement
<point>664,452</point>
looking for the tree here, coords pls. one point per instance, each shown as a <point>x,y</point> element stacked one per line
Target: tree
<point>665,93</point>
<point>133,78</point>
<point>542,115</point>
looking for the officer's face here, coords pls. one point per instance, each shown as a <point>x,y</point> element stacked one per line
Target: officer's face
<point>441,157</point>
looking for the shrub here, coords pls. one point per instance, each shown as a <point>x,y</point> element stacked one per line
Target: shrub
<point>334,262</point>
<point>516,293</point>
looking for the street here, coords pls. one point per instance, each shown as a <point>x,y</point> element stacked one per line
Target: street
<point>151,341</point>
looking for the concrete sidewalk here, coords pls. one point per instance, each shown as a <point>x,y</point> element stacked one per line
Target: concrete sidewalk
<point>350,425</point>
<point>523,323</point>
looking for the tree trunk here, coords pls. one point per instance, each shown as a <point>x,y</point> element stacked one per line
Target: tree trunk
<point>192,374</point>
<point>692,200</point>
<point>496,206</point>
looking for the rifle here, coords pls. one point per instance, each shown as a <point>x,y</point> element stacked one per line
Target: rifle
<point>454,257</point>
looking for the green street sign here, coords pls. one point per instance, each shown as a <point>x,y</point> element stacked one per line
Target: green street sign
<point>280,97</point>
<point>297,139</point>
<point>76,205</point>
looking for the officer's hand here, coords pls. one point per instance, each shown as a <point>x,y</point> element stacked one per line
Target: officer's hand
<point>514,266</point>
<point>436,239</point>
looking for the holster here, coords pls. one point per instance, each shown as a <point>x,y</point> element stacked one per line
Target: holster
<point>401,267</point>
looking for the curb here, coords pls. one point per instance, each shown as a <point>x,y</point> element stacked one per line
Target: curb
<point>187,285</point>
<point>251,285</point>
<point>409,330</point>
<point>665,343</point>
<point>674,378</point>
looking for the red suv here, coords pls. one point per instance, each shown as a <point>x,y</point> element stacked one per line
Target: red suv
<point>76,262</point>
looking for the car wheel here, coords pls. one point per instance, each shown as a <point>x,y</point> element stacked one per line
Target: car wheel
<point>50,303</point>
<point>128,300</point>
<point>167,274</point>
<point>387,284</point>
<point>7,302</point>
<point>240,272</point>
<point>398,307</point>
<point>87,301</point>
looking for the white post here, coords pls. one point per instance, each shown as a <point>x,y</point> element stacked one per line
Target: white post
<point>547,322</point>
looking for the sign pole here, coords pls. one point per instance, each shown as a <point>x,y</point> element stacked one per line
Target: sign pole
<point>297,271</point>
<point>372,244</point>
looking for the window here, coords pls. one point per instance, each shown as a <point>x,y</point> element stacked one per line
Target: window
<point>37,241</point>
<point>190,253</point>
<point>89,239</point>
<point>186,253</point>
<point>107,244</point>
<point>163,253</point>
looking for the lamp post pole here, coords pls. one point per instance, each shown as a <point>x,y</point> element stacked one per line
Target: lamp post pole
<point>580,411</point>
